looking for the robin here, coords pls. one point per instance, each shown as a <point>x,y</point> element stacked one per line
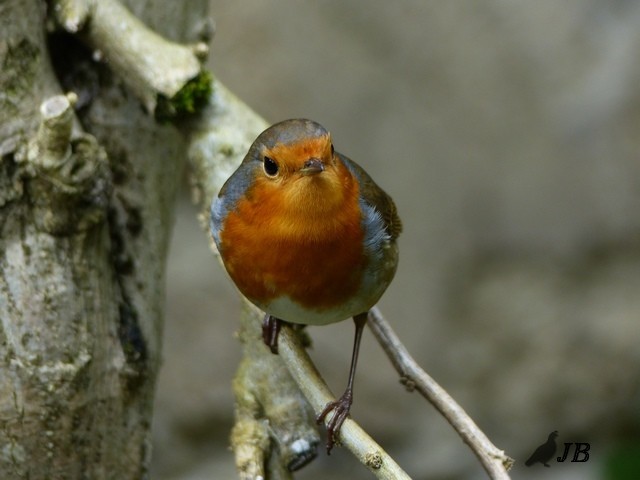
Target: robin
<point>307,236</point>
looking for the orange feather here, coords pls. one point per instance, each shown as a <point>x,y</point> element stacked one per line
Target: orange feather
<point>302,236</point>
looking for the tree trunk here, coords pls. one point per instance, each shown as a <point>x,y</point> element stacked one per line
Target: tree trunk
<point>86,206</point>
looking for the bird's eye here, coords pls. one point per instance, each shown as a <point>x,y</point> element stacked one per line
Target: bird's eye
<point>270,166</point>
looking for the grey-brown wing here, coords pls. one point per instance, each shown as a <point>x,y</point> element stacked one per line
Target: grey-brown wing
<point>376,197</point>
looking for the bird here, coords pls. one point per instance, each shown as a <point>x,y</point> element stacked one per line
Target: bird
<point>544,452</point>
<point>308,237</point>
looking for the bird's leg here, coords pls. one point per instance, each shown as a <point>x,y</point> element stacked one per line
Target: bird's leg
<point>341,406</point>
<point>270,330</point>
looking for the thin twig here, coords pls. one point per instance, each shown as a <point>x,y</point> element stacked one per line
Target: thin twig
<point>495,461</point>
<point>314,388</point>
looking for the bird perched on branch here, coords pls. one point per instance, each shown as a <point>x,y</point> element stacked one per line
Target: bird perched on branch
<point>307,236</point>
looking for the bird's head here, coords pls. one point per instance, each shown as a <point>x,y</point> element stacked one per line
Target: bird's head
<point>295,162</point>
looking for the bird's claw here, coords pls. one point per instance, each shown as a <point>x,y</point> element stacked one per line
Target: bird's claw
<point>340,409</point>
<point>270,330</point>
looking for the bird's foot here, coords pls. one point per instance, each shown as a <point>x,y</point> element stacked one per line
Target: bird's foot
<point>270,330</point>
<point>340,410</point>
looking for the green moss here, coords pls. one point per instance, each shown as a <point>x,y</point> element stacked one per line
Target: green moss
<point>194,95</point>
<point>190,100</point>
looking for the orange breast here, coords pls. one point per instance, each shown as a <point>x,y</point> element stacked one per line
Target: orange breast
<point>310,252</point>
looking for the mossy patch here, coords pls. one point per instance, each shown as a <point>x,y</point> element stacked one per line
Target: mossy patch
<point>190,100</point>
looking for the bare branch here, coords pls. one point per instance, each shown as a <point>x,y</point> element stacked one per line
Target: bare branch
<point>494,460</point>
<point>352,436</point>
<point>151,65</point>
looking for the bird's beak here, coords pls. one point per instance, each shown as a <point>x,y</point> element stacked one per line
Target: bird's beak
<point>312,166</point>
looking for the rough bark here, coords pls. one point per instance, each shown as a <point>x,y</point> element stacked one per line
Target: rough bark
<point>86,206</point>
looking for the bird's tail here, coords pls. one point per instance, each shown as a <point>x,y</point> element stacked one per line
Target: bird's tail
<point>530,462</point>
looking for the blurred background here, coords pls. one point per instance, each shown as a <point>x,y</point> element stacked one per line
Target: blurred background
<point>508,135</point>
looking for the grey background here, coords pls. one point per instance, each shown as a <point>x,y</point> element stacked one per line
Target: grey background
<point>507,133</point>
